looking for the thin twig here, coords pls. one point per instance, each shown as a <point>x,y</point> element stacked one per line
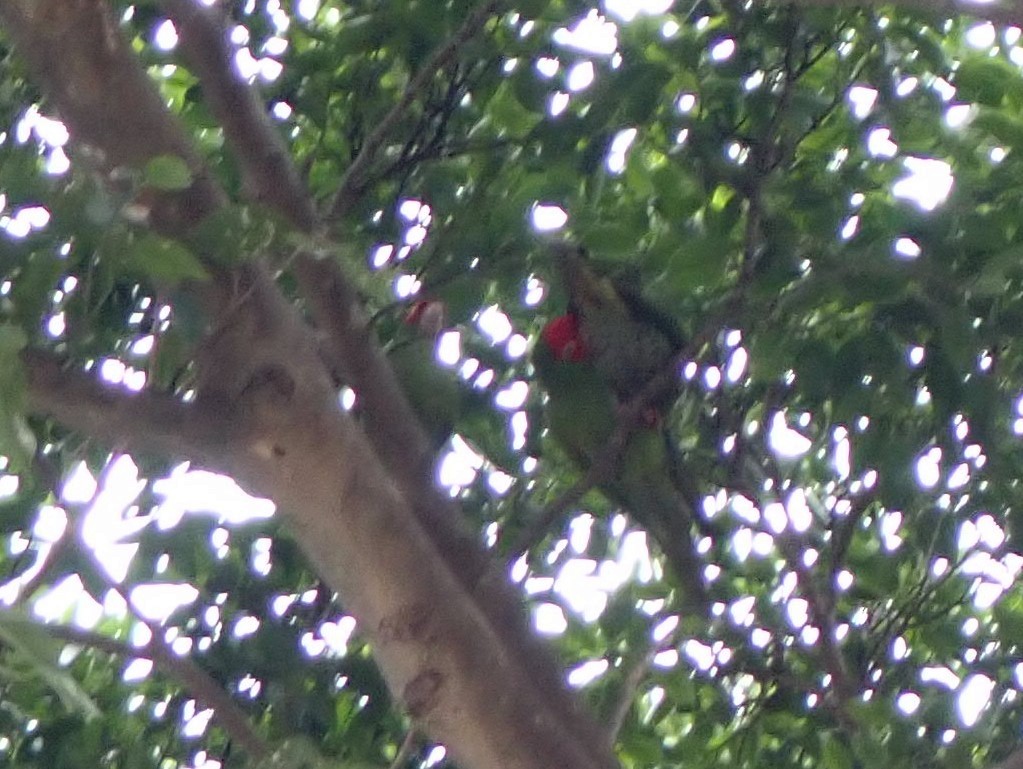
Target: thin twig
<point>407,746</point>
<point>182,669</point>
<point>354,177</point>
<point>631,681</point>
<point>178,668</point>
<point>821,604</point>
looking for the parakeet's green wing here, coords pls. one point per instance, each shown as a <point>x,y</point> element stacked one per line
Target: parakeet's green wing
<point>645,487</point>
<point>580,408</point>
<point>581,414</point>
<point>432,391</point>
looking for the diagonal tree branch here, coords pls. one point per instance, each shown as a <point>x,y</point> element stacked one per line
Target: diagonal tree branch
<point>180,669</point>
<point>402,444</point>
<point>143,421</point>
<point>269,174</point>
<point>447,644</point>
<point>389,422</point>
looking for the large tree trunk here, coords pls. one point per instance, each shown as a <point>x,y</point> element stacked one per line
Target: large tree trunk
<point>453,647</point>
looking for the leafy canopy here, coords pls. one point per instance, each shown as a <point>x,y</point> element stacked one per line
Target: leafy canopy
<point>825,199</point>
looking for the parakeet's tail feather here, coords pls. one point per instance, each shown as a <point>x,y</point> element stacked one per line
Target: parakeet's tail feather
<point>686,488</point>
<point>668,518</point>
<point>675,541</point>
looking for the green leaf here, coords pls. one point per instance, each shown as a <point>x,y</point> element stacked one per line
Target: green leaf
<point>1006,128</point>
<point>877,575</point>
<point>167,172</point>
<point>701,260</point>
<point>32,292</point>
<point>645,90</point>
<point>41,653</point>
<point>530,90</point>
<point>986,80</point>
<point>16,438</point>
<point>162,260</point>
<point>1009,615</point>
<point>815,365</point>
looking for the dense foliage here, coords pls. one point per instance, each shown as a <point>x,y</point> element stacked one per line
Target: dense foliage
<point>826,201</point>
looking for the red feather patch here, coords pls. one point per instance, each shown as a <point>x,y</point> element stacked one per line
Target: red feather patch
<point>561,334</point>
<point>427,315</point>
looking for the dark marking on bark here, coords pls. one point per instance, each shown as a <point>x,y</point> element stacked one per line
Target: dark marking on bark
<point>422,693</point>
<point>410,624</point>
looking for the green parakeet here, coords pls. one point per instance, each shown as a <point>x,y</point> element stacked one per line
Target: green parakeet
<point>432,391</point>
<point>581,413</point>
<point>628,340</point>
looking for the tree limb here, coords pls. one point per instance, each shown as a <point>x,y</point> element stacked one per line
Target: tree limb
<point>143,421</point>
<point>269,174</point>
<point>178,668</point>
<point>448,644</point>
<point>389,422</point>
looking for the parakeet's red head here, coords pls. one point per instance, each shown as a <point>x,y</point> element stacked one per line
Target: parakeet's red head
<point>561,335</point>
<point>427,316</point>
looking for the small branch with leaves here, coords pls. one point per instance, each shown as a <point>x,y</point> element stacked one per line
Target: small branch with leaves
<point>357,173</point>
